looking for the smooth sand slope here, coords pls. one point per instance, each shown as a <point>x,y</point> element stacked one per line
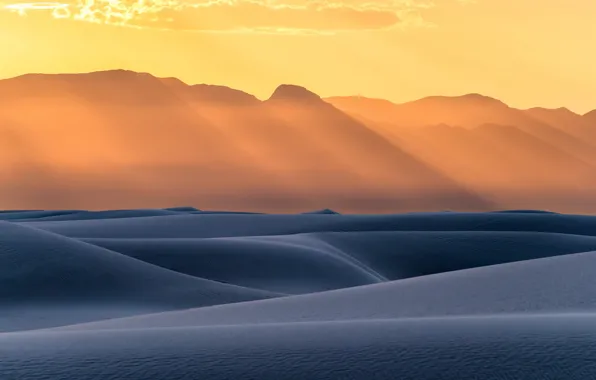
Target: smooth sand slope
<point>198,225</point>
<point>180,293</point>
<point>50,279</point>
<point>481,348</point>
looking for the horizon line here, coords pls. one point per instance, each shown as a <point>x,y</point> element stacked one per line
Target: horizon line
<point>359,95</point>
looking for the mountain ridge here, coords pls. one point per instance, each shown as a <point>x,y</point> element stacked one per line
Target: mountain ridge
<point>114,74</point>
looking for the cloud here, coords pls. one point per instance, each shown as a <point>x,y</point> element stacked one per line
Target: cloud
<point>257,16</point>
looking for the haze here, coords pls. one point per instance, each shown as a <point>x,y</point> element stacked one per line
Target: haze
<point>358,106</point>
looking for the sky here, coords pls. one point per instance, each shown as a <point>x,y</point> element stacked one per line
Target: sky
<point>525,52</point>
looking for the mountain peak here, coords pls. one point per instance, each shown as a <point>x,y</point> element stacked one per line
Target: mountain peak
<point>355,99</point>
<point>560,110</point>
<point>294,93</point>
<point>591,115</point>
<point>173,82</point>
<point>117,75</point>
<point>475,97</point>
<point>472,99</point>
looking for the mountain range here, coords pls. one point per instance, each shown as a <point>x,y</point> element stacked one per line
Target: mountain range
<point>114,139</point>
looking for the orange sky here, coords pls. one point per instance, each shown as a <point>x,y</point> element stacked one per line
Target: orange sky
<point>525,52</point>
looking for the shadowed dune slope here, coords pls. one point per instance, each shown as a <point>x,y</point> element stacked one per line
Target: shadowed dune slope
<point>305,263</point>
<point>86,215</point>
<point>228,225</point>
<point>43,273</point>
<point>548,285</point>
<point>282,263</point>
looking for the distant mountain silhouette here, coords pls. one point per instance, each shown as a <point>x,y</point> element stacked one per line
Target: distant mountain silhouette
<point>292,93</point>
<point>209,93</point>
<point>118,86</point>
<point>591,117</point>
<point>119,138</point>
<point>464,111</point>
<point>561,128</point>
<point>561,118</point>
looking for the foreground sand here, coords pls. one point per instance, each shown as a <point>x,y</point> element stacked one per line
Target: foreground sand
<point>186,294</point>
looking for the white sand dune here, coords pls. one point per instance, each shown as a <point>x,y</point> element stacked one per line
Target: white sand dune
<point>180,293</point>
<point>330,260</point>
<point>499,348</point>
<point>199,225</point>
<point>48,279</point>
<point>550,285</point>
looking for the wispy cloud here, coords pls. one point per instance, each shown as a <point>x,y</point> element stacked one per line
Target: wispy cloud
<point>257,16</point>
